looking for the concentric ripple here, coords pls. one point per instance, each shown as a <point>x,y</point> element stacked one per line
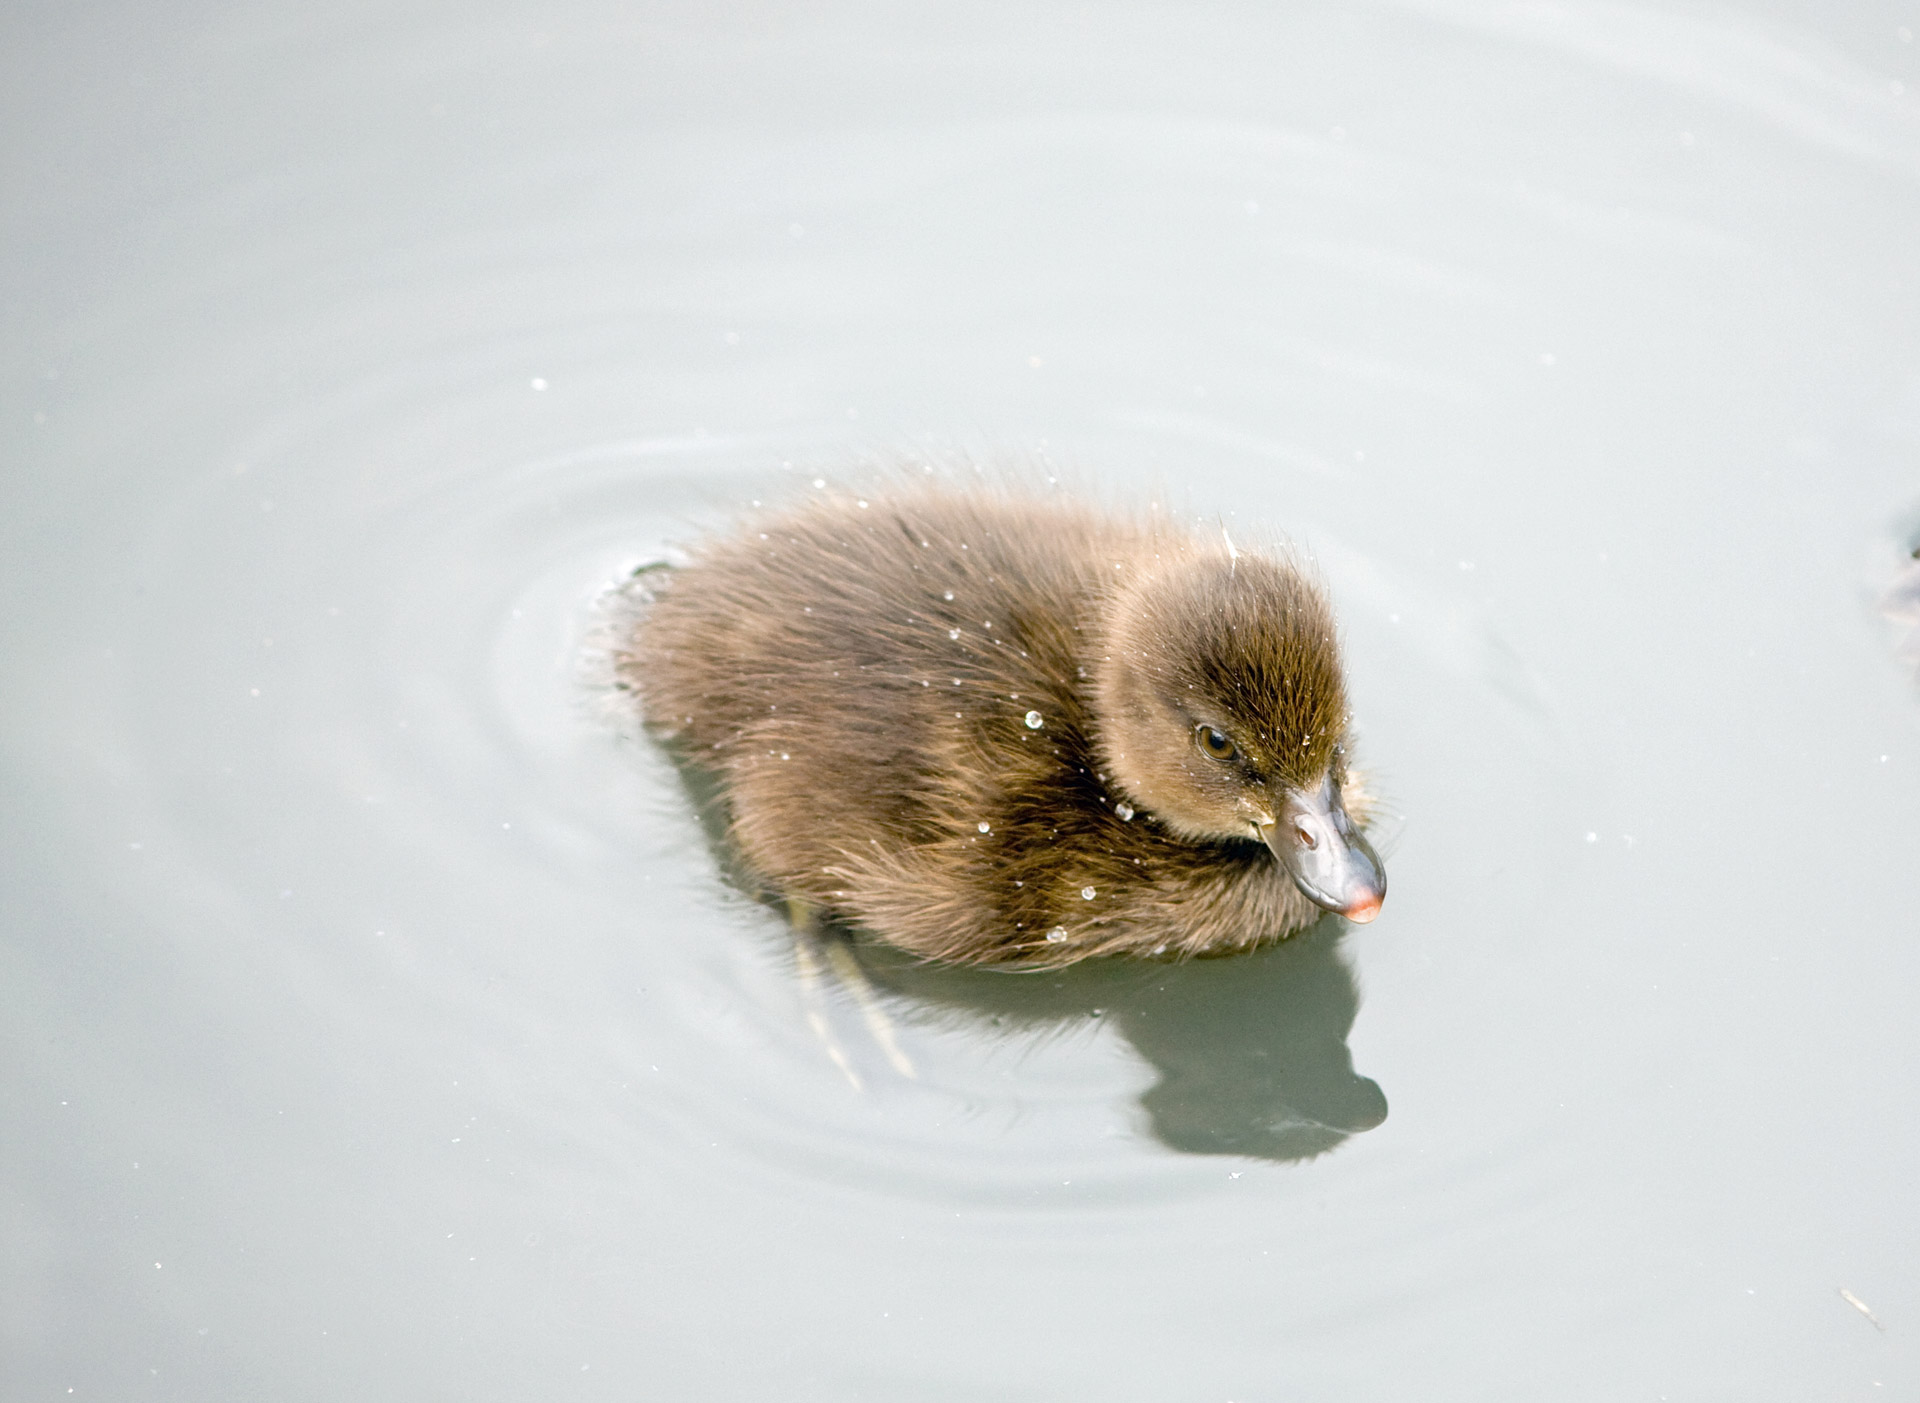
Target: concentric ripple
<point>464,843</point>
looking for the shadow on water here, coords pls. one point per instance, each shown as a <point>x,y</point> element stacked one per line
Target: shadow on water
<point>1251,1049</point>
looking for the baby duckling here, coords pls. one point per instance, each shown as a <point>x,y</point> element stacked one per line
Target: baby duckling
<point>996,729</point>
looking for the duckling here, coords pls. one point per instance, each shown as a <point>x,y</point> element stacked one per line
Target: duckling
<point>1000,729</point>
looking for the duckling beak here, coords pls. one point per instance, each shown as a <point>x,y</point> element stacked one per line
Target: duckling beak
<point>1329,859</point>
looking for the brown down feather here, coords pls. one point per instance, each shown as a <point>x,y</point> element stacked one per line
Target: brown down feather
<point>859,676</point>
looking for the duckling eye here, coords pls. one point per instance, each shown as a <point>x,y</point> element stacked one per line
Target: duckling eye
<point>1217,744</point>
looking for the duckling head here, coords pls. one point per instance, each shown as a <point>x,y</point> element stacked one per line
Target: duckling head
<point>1222,709</point>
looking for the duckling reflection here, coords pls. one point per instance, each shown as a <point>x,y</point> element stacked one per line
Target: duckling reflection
<point>1251,1048</point>
<point>996,729</point>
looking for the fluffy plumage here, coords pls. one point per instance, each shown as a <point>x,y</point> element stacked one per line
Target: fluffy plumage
<point>977,725</point>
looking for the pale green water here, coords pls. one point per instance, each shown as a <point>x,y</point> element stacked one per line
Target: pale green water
<point>376,1022</point>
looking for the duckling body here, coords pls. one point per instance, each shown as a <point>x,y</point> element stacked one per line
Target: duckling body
<point>967,723</point>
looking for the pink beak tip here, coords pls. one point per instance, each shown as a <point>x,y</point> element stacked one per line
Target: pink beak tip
<point>1363,910</point>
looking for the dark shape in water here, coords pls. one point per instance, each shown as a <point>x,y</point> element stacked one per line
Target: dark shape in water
<point>1251,1049</point>
<point>1901,603</point>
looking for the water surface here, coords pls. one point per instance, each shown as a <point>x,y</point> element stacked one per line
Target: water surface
<point>378,1021</point>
